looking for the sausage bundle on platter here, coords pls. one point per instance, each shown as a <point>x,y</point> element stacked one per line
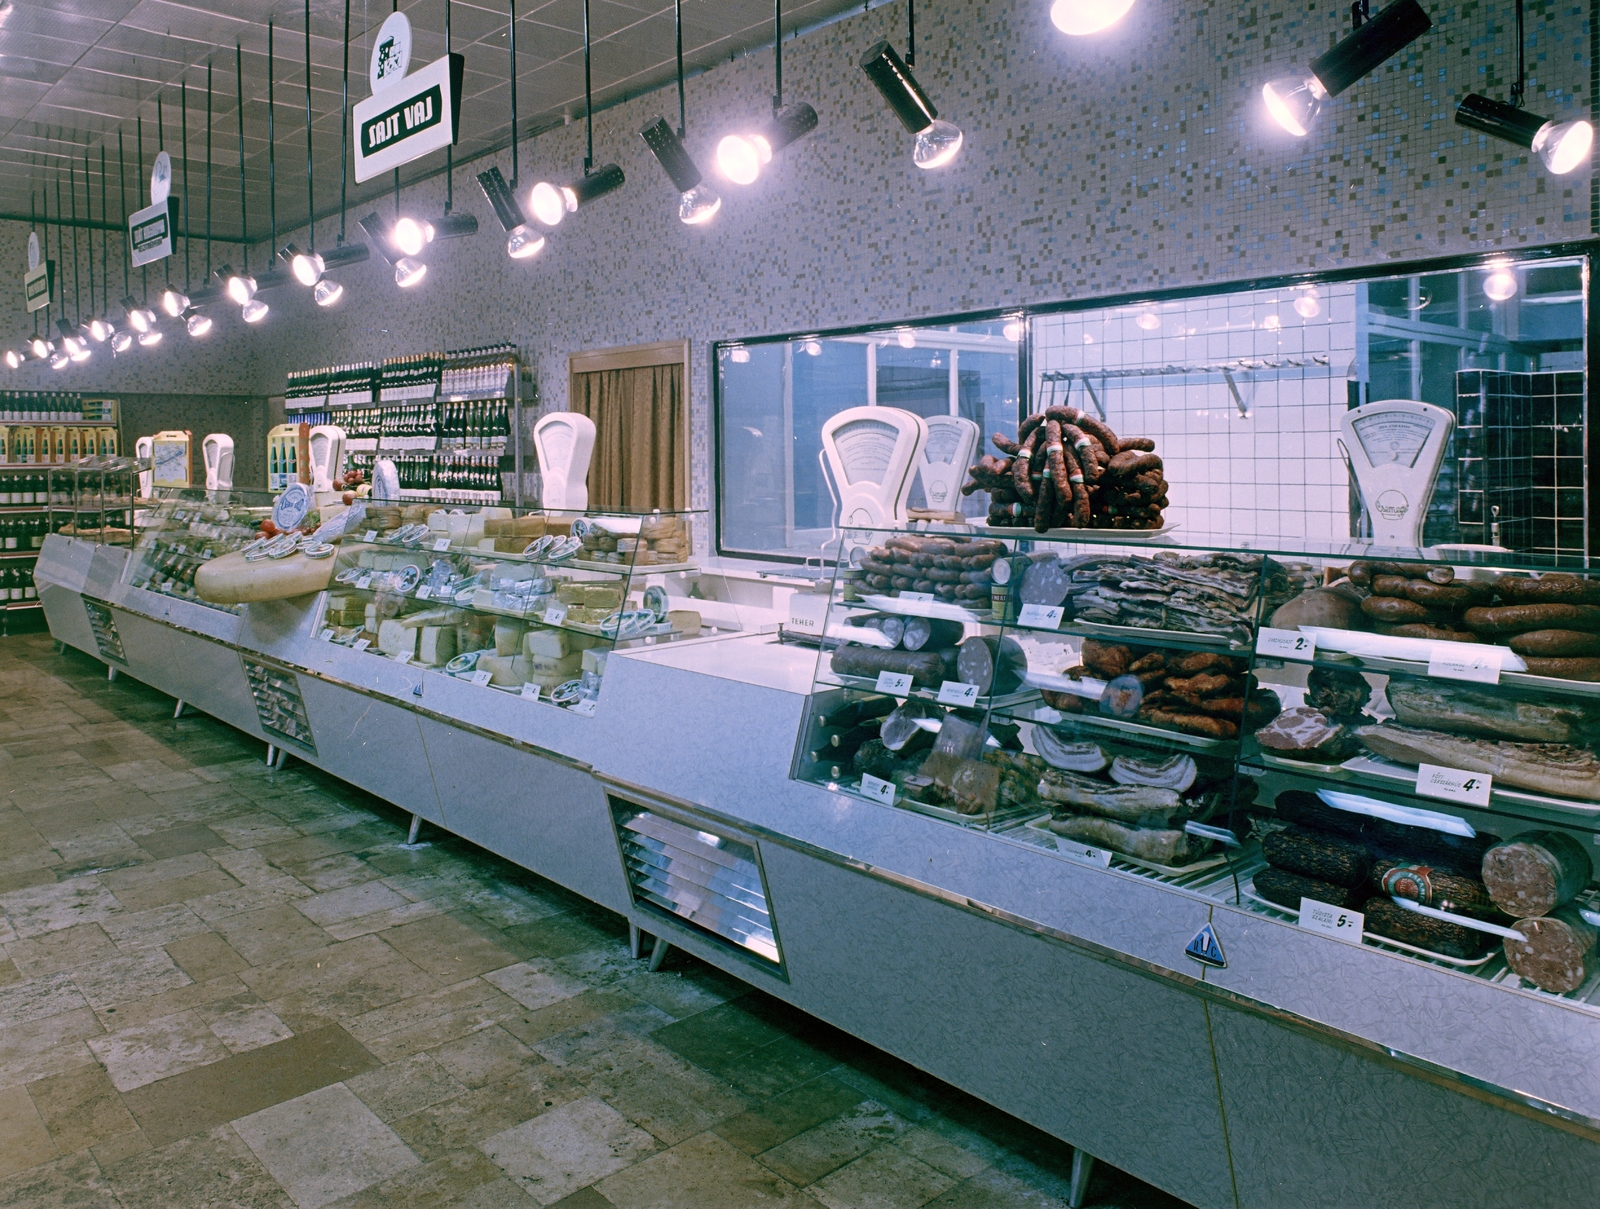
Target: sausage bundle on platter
<point>949,569</point>
<point>1068,470</point>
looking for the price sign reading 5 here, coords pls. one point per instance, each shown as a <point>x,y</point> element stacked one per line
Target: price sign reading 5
<point>1338,922</point>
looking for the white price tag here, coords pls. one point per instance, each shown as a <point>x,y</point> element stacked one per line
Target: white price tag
<point>585,707</point>
<point>896,683</point>
<point>425,591</point>
<point>916,596</point>
<point>402,656</point>
<point>482,677</point>
<point>1044,617</point>
<point>364,582</point>
<point>326,635</point>
<point>953,692</point>
<point>1286,644</point>
<point>555,614</point>
<point>441,544</point>
<point>1465,661</point>
<point>1341,923</point>
<point>362,644</point>
<point>371,535</point>
<point>878,790</point>
<point>1453,785</point>
<point>1083,852</point>
<point>530,691</point>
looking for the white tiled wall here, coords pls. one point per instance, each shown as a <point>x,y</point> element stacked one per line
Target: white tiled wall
<point>1273,473</point>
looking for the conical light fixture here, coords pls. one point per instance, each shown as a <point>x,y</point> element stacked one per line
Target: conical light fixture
<point>551,203</point>
<point>1083,17</point>
<point>937,140</point>
<point>522,240</point>
<point>1295,101</point>
<point>740,157</point>
<point>311,268</point>
<point>698,202</point>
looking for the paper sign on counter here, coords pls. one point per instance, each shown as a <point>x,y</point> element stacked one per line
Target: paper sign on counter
<point>1043,617</point>
<point>896,683</point>
<point>425,591</point>
<point>1083,852</point>
<point>878,790</point>
<point>1465,661</point>
<point>482,677</point>
<point>584,708</point>
<point>1338,922</point>
<point>1453,785</point>
<point>364,582</point>
<point>1286,644</point>
<point>953,692</point>
<point>326,635</point>
<point>362,644</point>
<point>441,544</point>
<point>530,691</point>
<point>371,535</point>
<point>555,614</point>
<point>402,656</point>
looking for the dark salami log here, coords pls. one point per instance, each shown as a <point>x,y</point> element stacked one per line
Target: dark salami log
<point>1326,858</point>
<point>1287,889</point>
<point>1133,462</point>
<point>995,665</point>
<point>854,713</point>
<point>1556,644</point>
<point>1434,888</point>
<point>1564,669</point>
<point>890,626</point>
<point>1556,952</point>
<point>1462,855</point>
<point>1536,872</point>
<point>1396,609</point>
<point>1384,918</point>
<point>930,633</point>
<point>1520,618</point>
<point>927,669</point>
<point>1552,588</point>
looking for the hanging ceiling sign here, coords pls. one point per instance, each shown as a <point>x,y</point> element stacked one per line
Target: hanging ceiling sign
<point>407,116</point>
<point>150,230</point>
<point>38,281</point>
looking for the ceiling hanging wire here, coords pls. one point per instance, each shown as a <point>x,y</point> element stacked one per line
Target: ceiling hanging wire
<point>344,123</point>
<point>42,346</point>
<point>741,157</point>
<point>698,202</point>
<point>208,171</point>
<point>522,239</point>
<point>62,356</point>
<point>132,313</point>
<point>102,315</point>
<point>551,203</point>
<point>412,234</point>
<point>244,218</point>
<point>173,300</point>
<point>242,286</point>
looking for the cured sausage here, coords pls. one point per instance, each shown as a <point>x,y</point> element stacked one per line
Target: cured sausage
<point>1021,469</point>
<point>1140,444</point>
<point>1555,953</point>
<point>1126,465</point>
<point>1536,872</point>
<point>1520,618</point>
<point>1446,596</point>
<point>1419,629</point>
<point>1564,669</point>
<point>1551,588</point>
<point>1384,918</point>
<point>1287,889</point>
<point>927,669</point>
<point>1395,608</point>
<point>1324,857</point>
<point>1079,493</point>
<point>1553,644</point>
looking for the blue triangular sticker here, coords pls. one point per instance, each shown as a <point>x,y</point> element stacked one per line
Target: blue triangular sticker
<point>1206,948</point>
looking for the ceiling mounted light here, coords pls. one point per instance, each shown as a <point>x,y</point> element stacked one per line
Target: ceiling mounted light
<point>14,359</point>
<point>71,339</point>
<point>411,236</point>
<point>59,359</point>
<point>241,286</point>
<point>408,272</point>
<point>150,338</point>
<point>100,330</point>
<point>254,311</point>
<point>140,318</point>
<point>121,342</point>
<point>522,241</point>
<point>198,322</point>
<point>307,267</point>
<point>1081,17</point>
<point>40,347</point>
<point>698,202</point>
<point>174,302</point>
<point>740,157</point>
<point>1562,146</point>
<point>1295,101</point>
<point>327,292</point>
<point>937,141</point>
<point>81,353</point>
<point>1501,283</point>
<point>551,203</point>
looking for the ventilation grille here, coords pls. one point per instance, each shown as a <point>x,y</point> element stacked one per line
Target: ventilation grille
<point>713,882</point>
<point>278,705</point>
<point>104,626</point>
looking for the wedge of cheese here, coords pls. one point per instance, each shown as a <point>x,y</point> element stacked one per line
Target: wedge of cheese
<point>397,638</point>
<point>551,644</point>
<point>437,645</point>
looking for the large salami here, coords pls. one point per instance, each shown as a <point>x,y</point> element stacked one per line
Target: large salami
<point>1536,872</point>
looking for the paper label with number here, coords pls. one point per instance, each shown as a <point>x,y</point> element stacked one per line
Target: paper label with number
<point>364,582</point>
<point>425,591</point>
<point>1285,644</point>
<point>441,544</point>
<point>954,692</point>
<point>1083,852</point>
<point>362,644</point>
<point>897,683</point>
<point>584,708</point>
<point>1454,785</point>
<point>1465,661</point>
<point>530,691</point>
<point>402,656</point>
<point>555,614</point>
<point>1339,922</point>
<point>482,677</point>
<point>371,535</point>
<point>1044,617</point>
<point>878,790</point>
<point>326,635</point>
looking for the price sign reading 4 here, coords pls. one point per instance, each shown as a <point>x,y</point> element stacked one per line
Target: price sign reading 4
<point>1338,922</point>
<point>1454,785</point>
<point>878,790</point>
<point>953,692</point>
<point>1286,644</point>
<point>1044,617</point>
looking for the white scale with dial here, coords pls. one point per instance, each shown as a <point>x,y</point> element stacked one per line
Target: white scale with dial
<point>216,451</point>
<point>871,455</point>
<point>952,441</point>
<point>1395,448</point>
<point>564,442</point>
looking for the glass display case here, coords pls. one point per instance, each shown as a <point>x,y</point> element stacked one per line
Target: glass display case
<point>529,603</point>
<point>180,529</point>
<point>1395,748</point>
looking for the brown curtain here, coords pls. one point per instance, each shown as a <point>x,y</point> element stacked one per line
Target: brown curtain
<point>641,430</point>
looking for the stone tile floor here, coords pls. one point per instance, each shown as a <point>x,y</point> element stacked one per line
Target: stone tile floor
<point>224,986</point>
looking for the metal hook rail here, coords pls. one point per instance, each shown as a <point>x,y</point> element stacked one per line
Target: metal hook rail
<point>1240,365</point>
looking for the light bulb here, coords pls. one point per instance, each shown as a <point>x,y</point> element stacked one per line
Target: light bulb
<point>59,359</point>
<point>1148,320</point>
<point>937,145</point>
<point>327,292</point>
<point>40,347</point>
<point>100,330</point>
<point>1080,17</point>
<point>1294,102</point>
<point>1563,145</point>
<point>739,355</point>
<point>121,342</point>
<point>173,302</point>
<point>699,205</point>
<point>199,323</point>
<point>307,268</point>
<point>254,311</point>
<point>739,158</point>
<point>1501,283</point>
<point>811,348</point>
<point>522,241</point>
<point>1307,306</point>
<point>241,289</point>
<point>1013,331</point>
<point>411,237</point>
<point>547,204</point>
<point>73,345</point>
<point>408,272</point>
<point>13,358</point>
<point>905,337</point>
<point>81,353</point>
<point>141,319</point>
<point>150,338</point>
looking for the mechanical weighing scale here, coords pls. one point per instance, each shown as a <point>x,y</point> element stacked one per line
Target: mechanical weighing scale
<point>144,450</point>
<point>870,457</point>
<point>1395,448</point>
<point>563,441</point>
<point>216,451</point>
<point>172,458</point>
<point>326,445</point>
<point>952,442</point>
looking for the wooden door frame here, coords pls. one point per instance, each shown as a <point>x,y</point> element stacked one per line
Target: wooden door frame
<point>642,356</point>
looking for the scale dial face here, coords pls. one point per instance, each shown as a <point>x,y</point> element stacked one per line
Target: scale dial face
<point>865,449</point>
<point>1393,437</point>
<point>170,461</point>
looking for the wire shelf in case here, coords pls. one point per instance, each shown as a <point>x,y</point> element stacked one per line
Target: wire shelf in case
<point>869,685</point>
<point>936,609</point>
<point>1042,826</point>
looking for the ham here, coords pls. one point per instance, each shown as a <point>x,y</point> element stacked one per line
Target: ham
<point>1554,768</point>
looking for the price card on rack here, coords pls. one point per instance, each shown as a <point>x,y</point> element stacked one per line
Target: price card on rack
<point>326,635</point>
<point>1073,850</point>
<point>362,644</point>
<point>555,614</point>
<point>481,677</point>
<point>425,591</point>
<point>402,656</point>
<point>585,707</point>
<point>1042,617</point>
<point>371,535</point>
<point>1338,922</point>
<point>1454,785</point>
<point>878,790</point>
<point>364,582</point>
<point>530,691</point>
<point>897,684</point>
<point>1285,644</point>
<point>953,692</point>
<point>1465,661</point>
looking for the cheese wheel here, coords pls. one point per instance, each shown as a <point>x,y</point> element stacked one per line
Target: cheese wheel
<point>232,580</point>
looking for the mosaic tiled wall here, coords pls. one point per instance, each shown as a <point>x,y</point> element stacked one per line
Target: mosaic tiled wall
<point>1137,159</point>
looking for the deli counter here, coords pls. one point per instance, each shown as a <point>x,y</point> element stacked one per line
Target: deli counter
<point>1262,874</point>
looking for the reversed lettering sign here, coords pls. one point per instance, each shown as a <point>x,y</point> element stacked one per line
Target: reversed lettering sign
<point>409,118</point>
<point>150,232</point>
<point>37,285</point>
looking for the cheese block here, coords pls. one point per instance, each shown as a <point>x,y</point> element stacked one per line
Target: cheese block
<point>595,661</point>
<point>369,617</point>
<point>552,644</point>
<point>232,580</point>
<point>508,637</point>
<point>396,638</point>
<point>570,593</point>
<point>602,597</point>
<point>685,622</point>
<point>414,621</point>
<point>565,667</point>
<point>438,645</point>
<point>505,669</point>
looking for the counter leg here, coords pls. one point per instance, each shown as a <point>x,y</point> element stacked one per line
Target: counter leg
<point>416,826</point>
<point>272,754</point>
<point>658,954</point>
<point>634,937</point>
<point>1082,1169</point>
<point>111,672</point>
<point>283,758</point>
<point>178,712</point>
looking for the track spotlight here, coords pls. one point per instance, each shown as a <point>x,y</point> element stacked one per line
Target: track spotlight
<point>411,236</point>
<point>59,359</point>
<point>740,157</point>
<point>522,241</point>
<point>551,203</point>
<point>14,359</point>
<point>698,202</point>
<point>408,272</point>
<point>81,353</point>
<point>71,339</point>
<point>140,318</point>
<point>1295,101</point>
<point>1080,17</point>
<point>121,342</point>
<point>174,302</point>
<point>1562,146</point>
<point>100,330</point>
<point>1501,283</point>
<point>327,292</point>
<point>198,322</point>
<point>254,311</point>
<point>150,338</point>
<point>937,141</point>
<point>241,286</point>
<point>40,347</point>
<point>307,267</point>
